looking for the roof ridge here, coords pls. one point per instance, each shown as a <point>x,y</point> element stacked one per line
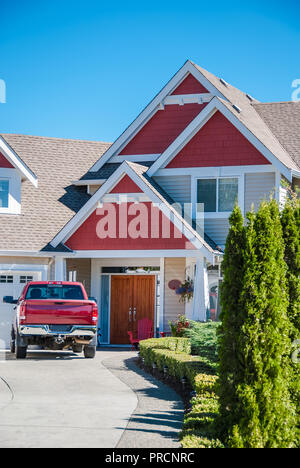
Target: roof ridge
<point>55,138</point>
<point>275,102</point>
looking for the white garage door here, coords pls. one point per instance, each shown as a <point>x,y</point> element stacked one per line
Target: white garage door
<point>12,284</point>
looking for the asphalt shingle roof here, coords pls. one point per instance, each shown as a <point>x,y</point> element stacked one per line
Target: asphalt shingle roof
<point>283,119</point>
<point>260,122</point>
<point>46,209</point>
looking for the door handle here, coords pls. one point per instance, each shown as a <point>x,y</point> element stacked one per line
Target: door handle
<point>134,314</point>
<point>130,312</point>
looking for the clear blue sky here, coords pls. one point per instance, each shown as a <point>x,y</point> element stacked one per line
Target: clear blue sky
<point>86,69</point>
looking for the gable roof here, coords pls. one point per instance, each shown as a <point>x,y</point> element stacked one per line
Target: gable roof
<point>280,139</point>
<point>137,173</point>
<point>253,132</point>
<point>16,162</point>
<point>46,209</point>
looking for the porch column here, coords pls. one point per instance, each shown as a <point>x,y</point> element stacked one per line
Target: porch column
<point>162,295</point>
<point>59,269</point>
<point>201,292</point>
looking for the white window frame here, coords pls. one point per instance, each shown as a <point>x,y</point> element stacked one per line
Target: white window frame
<point>14,188</point>
<point>5,179</point>
<point>216,214</point>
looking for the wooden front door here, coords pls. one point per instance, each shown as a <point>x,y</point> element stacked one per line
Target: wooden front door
<point>132,299</point>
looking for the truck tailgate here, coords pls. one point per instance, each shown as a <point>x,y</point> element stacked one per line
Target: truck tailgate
<point>49,312</point>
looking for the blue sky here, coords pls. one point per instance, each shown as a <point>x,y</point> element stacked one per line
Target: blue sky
<point>86,69</point>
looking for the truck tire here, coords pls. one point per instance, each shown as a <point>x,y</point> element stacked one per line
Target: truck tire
<point>89,352</point>
<point>12,346</point>
<point>21,352</point>
<point>77,348</point>
<point>12,342</point>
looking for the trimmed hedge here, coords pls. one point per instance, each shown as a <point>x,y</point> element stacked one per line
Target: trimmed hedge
<point>180,364</point>
<point>199,424</point>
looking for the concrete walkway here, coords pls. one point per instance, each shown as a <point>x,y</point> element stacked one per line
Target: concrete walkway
<point>157,420</point>
<point>63,400</point>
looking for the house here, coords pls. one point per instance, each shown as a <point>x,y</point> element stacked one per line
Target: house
<point>134,219</point>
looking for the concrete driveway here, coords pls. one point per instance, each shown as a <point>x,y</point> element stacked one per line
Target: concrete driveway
<point>62,400</point>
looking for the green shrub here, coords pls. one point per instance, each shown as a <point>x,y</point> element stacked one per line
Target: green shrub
<point>203,337</point>
<point>199,425</point>
<point>178,345</point>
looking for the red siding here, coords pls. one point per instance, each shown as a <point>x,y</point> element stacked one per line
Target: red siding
<point>162,129</point>
<point>86,238</point>
<point>218,143</point>
<point>190,86</point>
<point>126,185</point>
<point>5,163</point>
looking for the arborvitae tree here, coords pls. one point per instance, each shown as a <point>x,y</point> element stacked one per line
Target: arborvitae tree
<point>290,219</point>
<point>231,367</point>
<point>266,416</point>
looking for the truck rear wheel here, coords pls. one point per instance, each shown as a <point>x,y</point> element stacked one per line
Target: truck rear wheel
<point>12,346</point>
<point>21,352</point>
<point>12,342</point>
<point>89,352</point>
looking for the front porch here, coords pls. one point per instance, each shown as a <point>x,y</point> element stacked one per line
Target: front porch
<point>129,288</point>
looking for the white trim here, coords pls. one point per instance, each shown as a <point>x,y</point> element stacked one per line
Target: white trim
<point>217,214</point>
<point>153,106</point>
<point>99,254</point>
<point>14,190</point>
<point>17,162</point>
<point>217,171</point>
<point>139,158</point>
<point>123,197</point>
<point>181,99</point>
<point>88,182</point>
<point>59,269</point>
<point>171,213</point>
<point>161,295</point>
<point>199,121</point>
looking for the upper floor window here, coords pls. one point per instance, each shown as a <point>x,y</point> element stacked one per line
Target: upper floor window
<point>218,195</point>
<point>4,193</point>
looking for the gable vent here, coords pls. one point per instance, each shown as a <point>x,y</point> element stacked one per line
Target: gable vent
<point>224,82</point>
<point>237,108</point>
<point>250,97</point>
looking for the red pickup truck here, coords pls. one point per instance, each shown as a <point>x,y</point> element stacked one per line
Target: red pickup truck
<point>56,315</point>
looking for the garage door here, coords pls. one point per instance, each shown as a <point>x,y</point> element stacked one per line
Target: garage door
<point>12,284</point>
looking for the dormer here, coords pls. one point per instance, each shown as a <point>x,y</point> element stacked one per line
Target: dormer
<point>12,172</point>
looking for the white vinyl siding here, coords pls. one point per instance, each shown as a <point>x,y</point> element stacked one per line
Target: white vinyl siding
<point>174,269</point>
<point>257,188</point>
<point>217,229</point>
<point>177,187</point>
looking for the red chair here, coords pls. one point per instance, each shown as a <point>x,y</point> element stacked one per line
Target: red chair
<point>145,331</point>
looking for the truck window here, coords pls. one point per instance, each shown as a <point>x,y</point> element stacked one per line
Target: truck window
<point>48,291</point>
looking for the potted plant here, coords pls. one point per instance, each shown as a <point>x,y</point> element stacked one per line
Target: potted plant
<point>185,291</point>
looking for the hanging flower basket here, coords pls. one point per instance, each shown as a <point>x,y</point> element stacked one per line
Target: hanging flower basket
<point>185,291</point>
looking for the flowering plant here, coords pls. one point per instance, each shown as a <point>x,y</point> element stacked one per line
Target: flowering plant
<point>185,291</point>
<point>178,327</point>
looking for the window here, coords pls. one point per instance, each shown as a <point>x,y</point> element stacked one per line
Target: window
<point>4,193</point>
<point>217,195</point>
<point>48,291</point>
<point>6,279</point>
<point>25,279</point>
